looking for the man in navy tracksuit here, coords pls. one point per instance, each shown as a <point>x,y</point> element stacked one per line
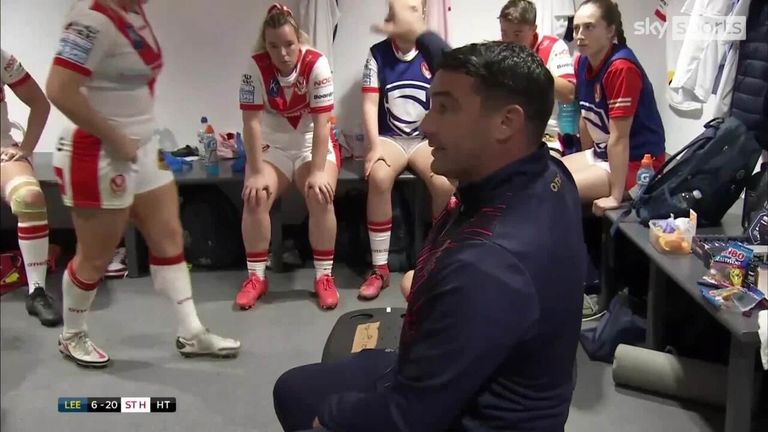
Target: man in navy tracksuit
<point>489,338</point>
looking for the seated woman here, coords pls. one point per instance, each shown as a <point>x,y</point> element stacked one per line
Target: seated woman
<point>287,99</point>
<point>396,83</point>
<point>619,116</point>
<point>21,189</point>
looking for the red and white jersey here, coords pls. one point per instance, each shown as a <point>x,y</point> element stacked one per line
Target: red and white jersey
<point>288,102</point>
<point>118,51</point>
<point>13,74</point>
<point>557,57</point>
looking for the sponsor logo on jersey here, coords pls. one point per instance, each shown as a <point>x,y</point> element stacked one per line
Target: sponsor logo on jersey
<point>76,43</point>
<point>83,31</point>
<point>425,70</point>
<point>322,83</point>
<point>247,94</point>
<point>368,72</point>
<point>247,90</point>
<point>323,96</point>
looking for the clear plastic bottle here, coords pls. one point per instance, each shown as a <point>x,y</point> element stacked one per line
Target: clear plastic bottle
<point>568,118</point>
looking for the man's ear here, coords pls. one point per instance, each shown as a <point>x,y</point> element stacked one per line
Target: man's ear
<point>508,122</point>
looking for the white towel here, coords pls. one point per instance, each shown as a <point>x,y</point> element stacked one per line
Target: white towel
<point>762,324</point>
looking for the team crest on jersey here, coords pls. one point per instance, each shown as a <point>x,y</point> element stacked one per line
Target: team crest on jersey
<point>274,88</point>
<point>301,85</point>
<point>117,184</point>
<point>598,92</point>
<point>425,70</point>
<point>10,65</point>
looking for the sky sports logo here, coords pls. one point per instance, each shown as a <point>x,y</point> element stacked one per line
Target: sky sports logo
<point>730,28</point>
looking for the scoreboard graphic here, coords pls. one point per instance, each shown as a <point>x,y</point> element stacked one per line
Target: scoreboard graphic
<point>117,404</point>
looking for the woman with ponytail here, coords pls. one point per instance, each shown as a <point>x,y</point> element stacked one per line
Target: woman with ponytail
<point>286,97</point>
<point>619,116</point>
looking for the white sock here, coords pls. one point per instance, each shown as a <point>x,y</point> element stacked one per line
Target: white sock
<point>256,263</point>
<point>323,262</point>
<point>170,277</point>
<point>379,234</point>
<point>77,298</point>
<point>33,243</point>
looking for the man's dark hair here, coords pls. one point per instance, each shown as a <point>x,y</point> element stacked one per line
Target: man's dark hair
<point>506,74</point>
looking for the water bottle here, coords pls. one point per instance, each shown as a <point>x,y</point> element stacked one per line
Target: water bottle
<point>568,118</point>
<point>207,140</point>
<point>643,177</point>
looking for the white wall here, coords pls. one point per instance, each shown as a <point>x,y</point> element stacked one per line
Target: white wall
<point>652,52</point>
<point>206,48</point>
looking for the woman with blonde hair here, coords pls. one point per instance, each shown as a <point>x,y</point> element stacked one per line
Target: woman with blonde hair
<point>286,97</point>
<point>103,80</point>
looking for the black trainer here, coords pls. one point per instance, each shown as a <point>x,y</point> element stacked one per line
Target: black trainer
<point>40,304</point>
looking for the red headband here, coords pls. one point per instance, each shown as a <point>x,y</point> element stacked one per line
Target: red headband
<point>277,7</point>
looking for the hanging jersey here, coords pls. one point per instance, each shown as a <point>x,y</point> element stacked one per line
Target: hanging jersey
<point>119,53</point>
<point>619,88</point>
<point>557,57</point>
<point>552,16</point>
<point>402,81</point>
<point>702,53</point>
<point>13,75</point>
<point>288,102</point>
<point>318,18</point>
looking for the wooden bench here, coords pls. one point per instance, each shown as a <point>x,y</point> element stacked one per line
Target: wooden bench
<point>221,175</point>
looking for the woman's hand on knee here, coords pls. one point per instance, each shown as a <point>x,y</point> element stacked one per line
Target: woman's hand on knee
<point>319,187</point>
<point>256,190</point>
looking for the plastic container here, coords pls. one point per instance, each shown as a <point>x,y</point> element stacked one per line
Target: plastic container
<point>678,242</point>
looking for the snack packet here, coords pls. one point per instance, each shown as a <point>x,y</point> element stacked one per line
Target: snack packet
<point>729,268</point>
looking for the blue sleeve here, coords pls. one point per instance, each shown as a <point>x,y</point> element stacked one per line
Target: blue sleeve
<point>483,304</point>
<point>432,48</point>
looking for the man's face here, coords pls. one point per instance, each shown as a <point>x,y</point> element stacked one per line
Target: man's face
<point>521,34</point>
<point>456,129</point>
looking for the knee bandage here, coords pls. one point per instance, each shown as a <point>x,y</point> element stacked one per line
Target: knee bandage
<point>15,192</point>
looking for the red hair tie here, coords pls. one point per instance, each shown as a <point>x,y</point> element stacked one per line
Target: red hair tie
<point>277,7</point>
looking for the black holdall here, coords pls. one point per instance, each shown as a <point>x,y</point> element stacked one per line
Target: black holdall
<point>708,175</point>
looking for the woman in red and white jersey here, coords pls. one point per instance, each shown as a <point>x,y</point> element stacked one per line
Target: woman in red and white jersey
<point>286,97</point>
<point>21,189</point>
<point>110,171</point>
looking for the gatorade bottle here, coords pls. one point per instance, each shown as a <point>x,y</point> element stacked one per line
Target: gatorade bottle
<point>207,139</point>
<point>644,175</point>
